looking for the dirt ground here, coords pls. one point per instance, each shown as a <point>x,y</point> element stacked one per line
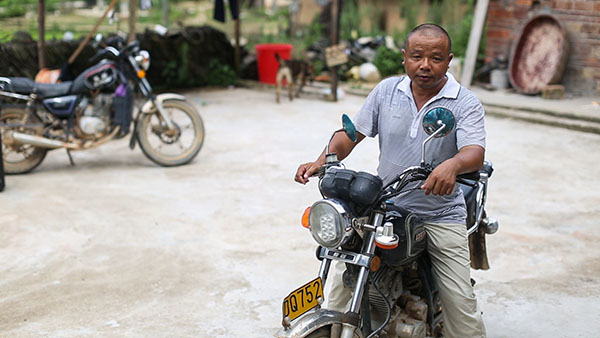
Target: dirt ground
<point>119,247</point>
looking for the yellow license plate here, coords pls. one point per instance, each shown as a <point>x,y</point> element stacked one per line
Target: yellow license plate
<point>303,299</point>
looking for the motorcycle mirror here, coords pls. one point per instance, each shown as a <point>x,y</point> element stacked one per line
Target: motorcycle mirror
<point>350,130</point>
<point>437,122</point>
<point>349,127</point>
<point>437,117</point>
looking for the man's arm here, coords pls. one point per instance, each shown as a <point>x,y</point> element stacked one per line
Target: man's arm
<point>340,144</point>
<point>442,179</point>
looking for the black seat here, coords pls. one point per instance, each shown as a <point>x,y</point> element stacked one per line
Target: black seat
<point>470,202</point>
<point>26,86</point>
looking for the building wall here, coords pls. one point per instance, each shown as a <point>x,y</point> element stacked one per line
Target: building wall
<point>581,20</point>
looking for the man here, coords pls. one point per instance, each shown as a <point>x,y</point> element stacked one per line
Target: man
<point>394,111</point>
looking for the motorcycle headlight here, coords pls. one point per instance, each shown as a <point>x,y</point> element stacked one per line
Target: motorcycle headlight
<point>329,223</point>
<point>143,59</point>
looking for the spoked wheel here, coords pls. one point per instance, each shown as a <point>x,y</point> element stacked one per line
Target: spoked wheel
<point>176,146</point>
<point>19,158</point>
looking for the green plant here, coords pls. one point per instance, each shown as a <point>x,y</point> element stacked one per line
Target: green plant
<point>388,62</point>
<point>220,74</point>
<point>350,20</point>
<point>461,30</point>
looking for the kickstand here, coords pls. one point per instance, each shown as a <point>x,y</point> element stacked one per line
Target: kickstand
<point>70,157</point>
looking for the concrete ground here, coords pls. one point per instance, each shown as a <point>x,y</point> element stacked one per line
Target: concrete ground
<point>119,247</point>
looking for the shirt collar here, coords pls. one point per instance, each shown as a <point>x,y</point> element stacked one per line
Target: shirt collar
<point>450,89</point>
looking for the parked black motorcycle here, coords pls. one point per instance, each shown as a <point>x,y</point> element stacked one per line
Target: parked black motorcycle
<point>95,108</point>
<point>383,247</point>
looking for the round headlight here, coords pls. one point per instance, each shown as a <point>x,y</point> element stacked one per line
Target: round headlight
<point>329,223</point>
<point>143,59</point>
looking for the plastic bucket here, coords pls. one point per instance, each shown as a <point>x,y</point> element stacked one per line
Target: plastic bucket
<point>266,61</point>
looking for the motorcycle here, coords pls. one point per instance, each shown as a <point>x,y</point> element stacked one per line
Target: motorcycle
<point>94,108</point>
<point>383,247</point>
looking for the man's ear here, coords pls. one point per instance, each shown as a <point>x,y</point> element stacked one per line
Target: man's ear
<point>403,55</point>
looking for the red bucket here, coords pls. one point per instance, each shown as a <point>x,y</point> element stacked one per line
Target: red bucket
<point>266,61</point>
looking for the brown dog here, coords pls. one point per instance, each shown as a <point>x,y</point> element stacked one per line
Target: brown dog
<point>294,71</point>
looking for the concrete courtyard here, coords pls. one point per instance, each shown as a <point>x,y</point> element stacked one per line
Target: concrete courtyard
<point>119,247</point>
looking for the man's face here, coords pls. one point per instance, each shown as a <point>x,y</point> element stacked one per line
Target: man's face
<point>426,60</point>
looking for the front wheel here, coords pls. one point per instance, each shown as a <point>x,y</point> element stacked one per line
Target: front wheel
<point>325,332</point>
<point>171,147</point>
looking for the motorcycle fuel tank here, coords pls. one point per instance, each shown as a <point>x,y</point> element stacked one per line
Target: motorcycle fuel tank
<point>102,75</point>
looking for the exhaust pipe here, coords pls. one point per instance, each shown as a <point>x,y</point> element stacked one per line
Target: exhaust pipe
<point>37,141</point>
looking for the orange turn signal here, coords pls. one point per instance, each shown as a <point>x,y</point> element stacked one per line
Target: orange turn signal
<point>305,217</point>
<point>141,73</point>
<point>375,263</point>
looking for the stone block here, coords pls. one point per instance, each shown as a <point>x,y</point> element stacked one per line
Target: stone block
<point>553,92</point>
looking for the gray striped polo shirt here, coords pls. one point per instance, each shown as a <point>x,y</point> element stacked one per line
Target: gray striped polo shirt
<point>390,112</point>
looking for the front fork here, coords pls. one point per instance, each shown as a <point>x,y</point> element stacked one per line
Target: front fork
<point>146,89</point>
<point>351,319</point>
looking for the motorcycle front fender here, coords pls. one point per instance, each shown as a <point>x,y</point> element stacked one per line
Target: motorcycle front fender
<point>312,322</point>
<point>148,107</point>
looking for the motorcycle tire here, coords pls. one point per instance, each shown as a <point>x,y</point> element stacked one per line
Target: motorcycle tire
<point>23,158</point>
<point>171,150</point>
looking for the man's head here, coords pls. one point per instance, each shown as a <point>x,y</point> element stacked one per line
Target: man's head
<point>427,56</point>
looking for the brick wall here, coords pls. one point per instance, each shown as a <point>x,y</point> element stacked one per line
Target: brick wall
<point>581,20</point>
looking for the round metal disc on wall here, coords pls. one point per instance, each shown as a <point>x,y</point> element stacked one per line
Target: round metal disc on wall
<point>539,55</point>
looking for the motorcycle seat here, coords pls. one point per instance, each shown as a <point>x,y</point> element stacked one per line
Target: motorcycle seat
<point>26,86</point>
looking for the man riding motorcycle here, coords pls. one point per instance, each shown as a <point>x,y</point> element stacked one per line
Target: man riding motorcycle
<point>393,110</point>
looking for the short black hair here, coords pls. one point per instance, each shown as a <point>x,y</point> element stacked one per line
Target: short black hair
<point>430,27</point>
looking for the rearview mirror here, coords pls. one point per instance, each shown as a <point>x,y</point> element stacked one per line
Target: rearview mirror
<point>349,128</point>
<point>437,117</point>
<point>437,122</point>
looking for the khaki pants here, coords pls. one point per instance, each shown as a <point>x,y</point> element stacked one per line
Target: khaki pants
<point>449,250</point>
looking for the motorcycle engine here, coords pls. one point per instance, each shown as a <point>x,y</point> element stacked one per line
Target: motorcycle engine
<point>409,312</point>
<point>95,115</point>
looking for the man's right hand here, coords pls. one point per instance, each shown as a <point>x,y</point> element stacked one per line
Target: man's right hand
<point>305,171</point>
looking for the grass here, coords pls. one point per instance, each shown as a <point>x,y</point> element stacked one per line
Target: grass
<point>187,13</point>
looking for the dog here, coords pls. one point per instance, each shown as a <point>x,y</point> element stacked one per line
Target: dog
<point>295,72</point>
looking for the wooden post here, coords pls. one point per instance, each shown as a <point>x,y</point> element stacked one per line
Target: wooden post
<point>132,19</point>
<point>335,36</point>
<point>89,36</point>
<point>237,43</point>
<point>165,12</point>
<point>473,45</point>
<point>41,33</point>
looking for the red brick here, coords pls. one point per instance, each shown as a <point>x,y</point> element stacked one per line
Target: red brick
<point>593,29</point>
<point>562,4</point>
<point>523,3</point>
<point>583,6</point>
<point>500,33</point>
<point>521,13</point>
<point>499,13</point>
